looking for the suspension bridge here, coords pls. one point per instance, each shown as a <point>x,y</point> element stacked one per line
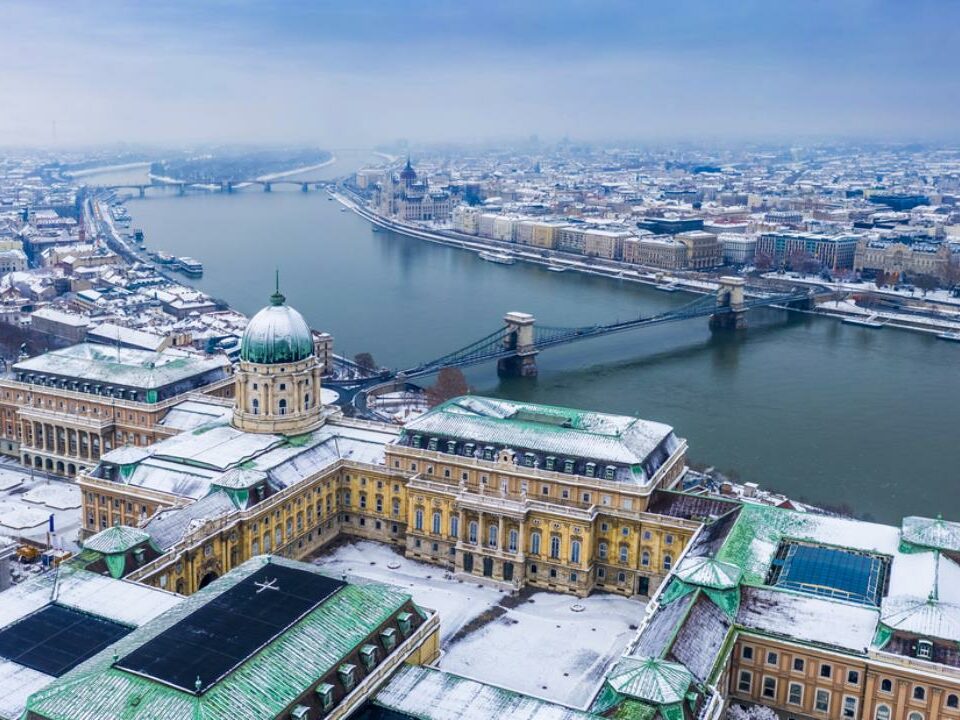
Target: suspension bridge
<point>517,343</point>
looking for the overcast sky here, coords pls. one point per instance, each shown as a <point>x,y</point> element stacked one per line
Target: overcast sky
<point>357,72</point>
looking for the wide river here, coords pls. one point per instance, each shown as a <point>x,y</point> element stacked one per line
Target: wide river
<point>821,411</point>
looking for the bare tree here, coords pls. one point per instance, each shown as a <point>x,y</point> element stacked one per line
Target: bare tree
<point>365,361</point>
<point>450,384</point>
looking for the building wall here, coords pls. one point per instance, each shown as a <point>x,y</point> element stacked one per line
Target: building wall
<point>855,688</point>
<point>63,431</point>
<point>621,548</point>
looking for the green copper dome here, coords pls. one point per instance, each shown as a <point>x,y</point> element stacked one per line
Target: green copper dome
<point>276,334</point>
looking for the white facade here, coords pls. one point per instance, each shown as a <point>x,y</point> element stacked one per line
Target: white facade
<point>738,249</point>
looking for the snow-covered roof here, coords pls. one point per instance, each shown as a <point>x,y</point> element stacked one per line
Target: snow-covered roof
<point>808,618</point>
<point>931,533</point>
<point>709,572</point>
<point>650,679</point>
<point>121,366</point>
<point>598,436</point>
<point>116,539</point>
<point>191,463</point>
<point>927,617</point>
<point>430,694</point>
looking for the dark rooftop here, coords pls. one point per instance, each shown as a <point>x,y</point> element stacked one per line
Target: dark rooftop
<point>55,639</point>
<point>206,645</point>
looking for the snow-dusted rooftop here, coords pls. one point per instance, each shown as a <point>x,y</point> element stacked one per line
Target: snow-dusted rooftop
<point>190,463</point>
<point>122,366</point>
<point>566,433</point>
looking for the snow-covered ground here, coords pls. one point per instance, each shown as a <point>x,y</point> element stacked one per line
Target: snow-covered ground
<point>457,603</point>
<point>537,645</point>
<point>543,648</point>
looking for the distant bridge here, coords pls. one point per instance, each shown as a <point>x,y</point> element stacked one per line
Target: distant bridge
<point>224,186</point>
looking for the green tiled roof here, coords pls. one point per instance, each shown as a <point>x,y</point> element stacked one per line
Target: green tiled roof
<point>650,679</point>
<point>117,539</point>
<point>262,687</point>
<point>709,572</point>
<point>276,334</point>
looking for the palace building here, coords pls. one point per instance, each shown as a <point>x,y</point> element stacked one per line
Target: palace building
<point>809,615</point>
<point>62,410</point>
<point>510,493</point>
<point>813,616</point>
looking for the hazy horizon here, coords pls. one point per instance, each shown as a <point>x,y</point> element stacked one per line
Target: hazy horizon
<point>342,74</point>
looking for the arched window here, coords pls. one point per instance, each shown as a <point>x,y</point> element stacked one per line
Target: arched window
<point>255,406</point>
<point>455,526</point>
<point>473,530</point>
<point>418,519</point>
<point>886,685</point>
<point>575,551</point>
<point>437,523</point>
<point>624,554</point>
<point>667,562</point>
<point>493,533</point>
<point>919,692</point>
<point>555,547</point>
<point>883,712</point>
<point>953,701</point>
<point>602,550</point>
<point>514,537</point>
<point>535,543</point>
<point>282,406</point>
<point>396,507</point>
<point>306,400</point>
<point>915,716</point>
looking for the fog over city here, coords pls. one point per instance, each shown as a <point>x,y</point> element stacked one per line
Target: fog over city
<point>342,73</point>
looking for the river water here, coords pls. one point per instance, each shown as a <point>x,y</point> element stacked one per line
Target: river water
<point>825,412</point>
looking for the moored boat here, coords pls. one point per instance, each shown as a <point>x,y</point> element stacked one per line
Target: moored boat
<point>496,257</point>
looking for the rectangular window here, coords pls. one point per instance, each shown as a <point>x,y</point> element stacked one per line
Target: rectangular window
<point>853,677</point>
<point>769,687</point>
<point>745,682</point>
<point>822,703</point>
<point>826,671</point>
<point>799,665</point>
<point>849,707</point>
<point>772,658</point>
<point>746,652</point>
<point>795,695</point>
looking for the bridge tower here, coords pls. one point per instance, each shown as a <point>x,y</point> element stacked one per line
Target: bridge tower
<point>305,187</point>
<point>181,189</point>
<point>267,187</point>
<point>519,338</point>
<point>143,190</point>
<point>730,295</point>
